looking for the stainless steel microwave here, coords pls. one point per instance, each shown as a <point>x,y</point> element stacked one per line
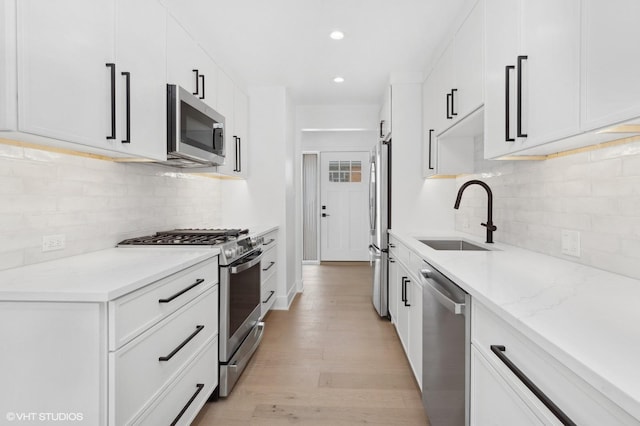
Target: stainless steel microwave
<point>195,132</point>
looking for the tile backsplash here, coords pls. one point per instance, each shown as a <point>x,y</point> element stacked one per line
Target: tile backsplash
<point>596,193</point>
<point>94,203</point>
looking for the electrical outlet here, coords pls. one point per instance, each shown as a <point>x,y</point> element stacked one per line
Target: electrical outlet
<point>53,242</point>
<point>571,243</point>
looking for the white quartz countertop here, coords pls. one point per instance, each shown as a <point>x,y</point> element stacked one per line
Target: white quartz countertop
<point>98,276</point>
<point>585,317</point>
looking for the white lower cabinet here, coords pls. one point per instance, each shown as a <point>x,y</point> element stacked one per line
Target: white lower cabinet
<point>405,304</point>
<point>500,397</point>
<point>493,400</point>
<point>269,271</point>
<point>56,356</point>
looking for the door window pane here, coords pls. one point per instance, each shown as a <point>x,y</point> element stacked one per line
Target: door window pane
<point>345,171</point>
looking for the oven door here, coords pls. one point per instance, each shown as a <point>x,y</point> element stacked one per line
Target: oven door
<point>239,302</point>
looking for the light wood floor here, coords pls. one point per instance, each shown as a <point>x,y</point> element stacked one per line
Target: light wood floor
<point>329,360</point>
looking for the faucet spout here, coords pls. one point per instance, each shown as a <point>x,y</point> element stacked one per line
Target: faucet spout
<point>489,225</point>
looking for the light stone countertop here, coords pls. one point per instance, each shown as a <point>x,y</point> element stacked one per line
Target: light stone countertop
<point>585,317</point>
<point>98,276</point>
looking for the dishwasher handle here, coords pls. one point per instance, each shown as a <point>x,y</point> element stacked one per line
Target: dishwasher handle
<point>451,305</point>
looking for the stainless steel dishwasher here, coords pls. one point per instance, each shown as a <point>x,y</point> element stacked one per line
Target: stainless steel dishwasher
<point>445,349</point>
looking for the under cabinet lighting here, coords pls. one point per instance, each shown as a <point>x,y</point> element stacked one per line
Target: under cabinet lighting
<point>338,80</point>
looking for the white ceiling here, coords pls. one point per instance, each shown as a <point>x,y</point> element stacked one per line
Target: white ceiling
<point>286,42</point>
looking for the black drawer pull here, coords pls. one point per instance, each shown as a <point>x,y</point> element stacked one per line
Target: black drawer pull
<point>271,293</point>
<point>404,290</point>
<point>266,243</point>
<point>269,267</point>
<point>202,80</point>
<point>498,350</point>
<point>200,386</point>
<point>199,328</point>
<point>197,83</point>
<point>181,292</point>
<point>406,294</point>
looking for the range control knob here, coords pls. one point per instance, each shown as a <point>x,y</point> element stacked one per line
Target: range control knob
<point>230,252</point>
<point>254,241</point>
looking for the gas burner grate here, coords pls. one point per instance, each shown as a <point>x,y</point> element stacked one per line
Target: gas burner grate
<point>187,237</point>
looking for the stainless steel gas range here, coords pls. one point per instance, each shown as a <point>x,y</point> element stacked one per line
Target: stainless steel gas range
<point>239,269</point>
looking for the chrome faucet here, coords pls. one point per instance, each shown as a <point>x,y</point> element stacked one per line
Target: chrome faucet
<point>489,225</point>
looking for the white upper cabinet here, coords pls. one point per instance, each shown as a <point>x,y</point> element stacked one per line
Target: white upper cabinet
<point>460,72</point>
<point>611,87</point>
<point>64,83</point>
<point>144,127</point>
<point>8,115</point>
<point>233,104</point>
<point>532,73</point>
<point>189,66</point>
<point>82,79</point>
<point>385,115</point>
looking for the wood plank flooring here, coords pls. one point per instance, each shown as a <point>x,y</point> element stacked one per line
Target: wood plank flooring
<point>329,360</point>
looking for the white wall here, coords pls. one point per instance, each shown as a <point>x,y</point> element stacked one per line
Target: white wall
<point>596,193</point>
<point>94,203</point>
<point>337,117</point>
<point>417,204</point>
<point>267,198</point>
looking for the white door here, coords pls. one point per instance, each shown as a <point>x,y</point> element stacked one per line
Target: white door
<point>344,207</point>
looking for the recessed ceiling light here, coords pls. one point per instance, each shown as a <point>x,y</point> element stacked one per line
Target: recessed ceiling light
<point>337,35</point>
<point>338,80</point>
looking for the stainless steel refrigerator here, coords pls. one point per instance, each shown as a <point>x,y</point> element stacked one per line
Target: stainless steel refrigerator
<point>379,220</point>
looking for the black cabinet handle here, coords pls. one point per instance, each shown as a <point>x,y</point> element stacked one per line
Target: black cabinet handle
<point>199,328</point>
<point>270,266</point>
<point>203,91</point>
<point>127,76</point>
<point>449,117</point>
<point>430,136</point>
<point>235,167</point>
<point>453,97</point>
<point>406,293</point>
<point>381,124</point>
<point>181,292</point>
<point>266,243</point>
<point>199,387</point>
<point>499,351</point>
<point>239,155</point>
<point>392,260</point>
<point>197,82</point>
<point>271,293</point>
<point>519,92</point>
<point>404,290</point>
<point>507,114</point>
<point>113,100</point>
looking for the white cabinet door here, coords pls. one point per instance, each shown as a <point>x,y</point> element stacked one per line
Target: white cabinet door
<point>532,94</point>
<point>501,51</point>
<point>189,66</point>
<point>429,145</point>
<point>8,100</point>
<point>468,64</point>
<point>611,88</point>
<point>444,95</point>
<point>64,84</point>
<point>402,324</point>
<point>393,288</point>
<point>237,150</point>
<point>414,296</point>
<point>226,107</point>
<point>141,27</point>
<point>493,402</point>
<point>551,72</point>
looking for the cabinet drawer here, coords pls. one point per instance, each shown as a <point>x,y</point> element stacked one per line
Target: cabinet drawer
<point>141,369</point>
<point>575,397</point>
<point>268,289</point>
<point>268,264</point>
<point>134,313</point>
<point>270,240</point>
<point>186,396</point>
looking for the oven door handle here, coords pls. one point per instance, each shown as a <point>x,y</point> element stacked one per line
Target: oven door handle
<point>246,265</point>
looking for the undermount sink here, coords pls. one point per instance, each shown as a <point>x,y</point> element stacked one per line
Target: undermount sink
<point>452,245</point>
